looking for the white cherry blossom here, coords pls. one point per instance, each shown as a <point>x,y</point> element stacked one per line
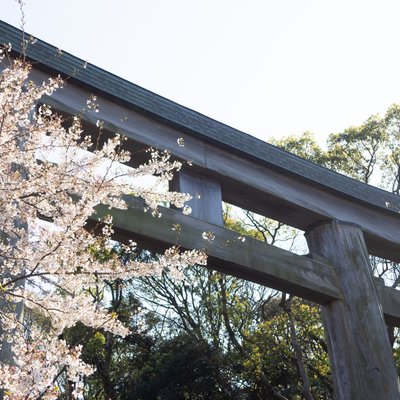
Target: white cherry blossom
<point>46,173</point>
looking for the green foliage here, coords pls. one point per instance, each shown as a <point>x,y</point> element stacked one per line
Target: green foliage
<point>356,151</point>
<point>272,353</point>
<point>181,369</point>
<point>396,348</point>
<point>391,161</point>
<point>304,146</point>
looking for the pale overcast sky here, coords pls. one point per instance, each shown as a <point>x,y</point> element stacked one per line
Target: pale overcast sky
<point>269,68</point>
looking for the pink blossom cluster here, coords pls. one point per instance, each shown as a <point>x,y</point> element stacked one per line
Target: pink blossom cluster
<point>56,174</point>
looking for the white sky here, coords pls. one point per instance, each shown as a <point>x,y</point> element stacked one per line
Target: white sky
<point>269,68</point>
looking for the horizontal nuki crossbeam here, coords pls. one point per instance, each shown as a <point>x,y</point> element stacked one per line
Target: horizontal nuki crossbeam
<point>243,257</point>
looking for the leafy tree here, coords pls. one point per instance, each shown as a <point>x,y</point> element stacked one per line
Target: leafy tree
<point>304,146</point>
<point>356,151</point>
<point>291,327</point>
<point>182,368</point>
<point>391,162</point>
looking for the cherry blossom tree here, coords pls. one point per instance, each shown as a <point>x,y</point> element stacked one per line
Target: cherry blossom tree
<point>51,180</point>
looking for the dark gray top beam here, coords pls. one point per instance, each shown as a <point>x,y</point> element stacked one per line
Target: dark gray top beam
<point>47,57</point>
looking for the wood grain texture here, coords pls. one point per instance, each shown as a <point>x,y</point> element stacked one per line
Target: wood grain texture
<point>361,358</point>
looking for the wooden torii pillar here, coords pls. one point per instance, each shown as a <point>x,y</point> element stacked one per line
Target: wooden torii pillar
<point>358,345</point>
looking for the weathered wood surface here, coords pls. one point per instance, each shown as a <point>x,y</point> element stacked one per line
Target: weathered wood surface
<point>243,181</point>
<point>361,358</point>
<point>227,252</point>
<point>311,279</point>
<point>207,198</point>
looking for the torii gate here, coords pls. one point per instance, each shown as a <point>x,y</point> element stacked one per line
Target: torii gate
<point>344,220</point>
